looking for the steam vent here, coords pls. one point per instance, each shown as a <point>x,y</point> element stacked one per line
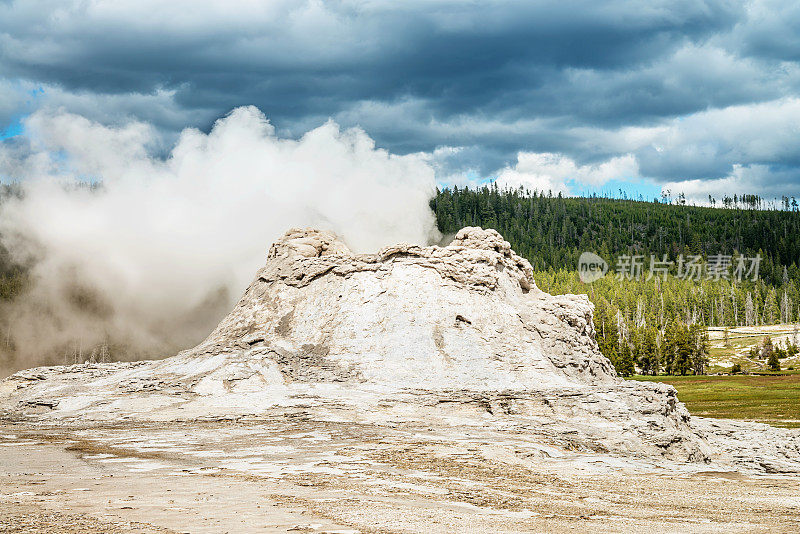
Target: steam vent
<point>453,337</point>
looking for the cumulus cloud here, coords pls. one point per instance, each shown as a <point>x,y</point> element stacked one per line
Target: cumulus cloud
<point>770,183</point>
<point>558,173</point>
<point>750,148</point>
<point>710,143</point>
<point>769,30</point>
<point>138,257</point>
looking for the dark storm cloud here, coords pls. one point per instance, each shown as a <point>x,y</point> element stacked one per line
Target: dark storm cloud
<point>494,78</point>
<point>771,30</point>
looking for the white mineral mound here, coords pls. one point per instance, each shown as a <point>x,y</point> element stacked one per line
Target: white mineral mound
<point>465,316</point>
<point>457,333</point>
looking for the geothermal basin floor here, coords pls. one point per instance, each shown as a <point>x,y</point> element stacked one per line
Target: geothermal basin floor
<point>297,473</point>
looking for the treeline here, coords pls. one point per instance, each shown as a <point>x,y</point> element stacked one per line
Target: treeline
<point>653,324</point>
<point>552,231</point>
<point>658,325</point>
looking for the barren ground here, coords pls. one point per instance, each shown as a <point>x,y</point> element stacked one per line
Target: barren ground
<point>298,474</point>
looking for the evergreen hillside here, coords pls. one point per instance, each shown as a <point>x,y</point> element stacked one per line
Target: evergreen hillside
<point>653,324</point>
<point>553,231</point>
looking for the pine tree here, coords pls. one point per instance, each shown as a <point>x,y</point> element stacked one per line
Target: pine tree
<point>786,310</point>
<point>771,309</point>
<point>774,362</point>
<point>767,350</point>
<point>625,365</point>
<point>700,353</point>
<point>749,311</point>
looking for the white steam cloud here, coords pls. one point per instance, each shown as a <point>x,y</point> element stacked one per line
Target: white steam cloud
<point>159,250</point>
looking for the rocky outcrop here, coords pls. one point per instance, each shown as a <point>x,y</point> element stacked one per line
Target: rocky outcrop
<point>456,333</point>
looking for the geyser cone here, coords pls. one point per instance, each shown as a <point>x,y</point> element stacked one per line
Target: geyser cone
<point>468,316</point>
<point>457,335</point>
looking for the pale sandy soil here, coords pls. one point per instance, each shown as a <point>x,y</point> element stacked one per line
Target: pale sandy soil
<point>296,474</point>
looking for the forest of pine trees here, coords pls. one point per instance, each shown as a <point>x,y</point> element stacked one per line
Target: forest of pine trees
<point>656,324</point>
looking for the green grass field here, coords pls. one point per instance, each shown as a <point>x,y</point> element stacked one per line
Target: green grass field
<point>772,399</point>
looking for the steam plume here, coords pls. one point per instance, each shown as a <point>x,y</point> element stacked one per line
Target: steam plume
<point>154,250</point>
